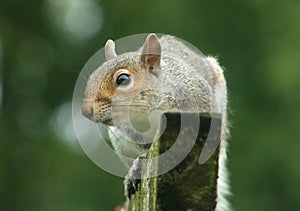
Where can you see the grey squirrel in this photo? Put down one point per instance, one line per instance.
(164, 75)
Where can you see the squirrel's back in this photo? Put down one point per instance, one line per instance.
(186, 53)
(198, 74)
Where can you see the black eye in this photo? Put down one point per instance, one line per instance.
(123, 80)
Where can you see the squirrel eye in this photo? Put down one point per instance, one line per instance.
(123, 80)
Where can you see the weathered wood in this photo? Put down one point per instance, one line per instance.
(188, 186)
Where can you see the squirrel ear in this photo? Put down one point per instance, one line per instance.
(110, 52)
(151, 52)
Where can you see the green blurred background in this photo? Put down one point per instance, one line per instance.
(44, 44)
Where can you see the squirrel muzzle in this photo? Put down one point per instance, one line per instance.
(87, 110)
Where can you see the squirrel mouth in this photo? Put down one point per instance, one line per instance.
(107, 121)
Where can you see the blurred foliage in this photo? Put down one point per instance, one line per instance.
(44, 45)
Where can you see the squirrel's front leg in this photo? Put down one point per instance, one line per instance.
(133, 178)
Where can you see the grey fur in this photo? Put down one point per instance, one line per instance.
(185, 81)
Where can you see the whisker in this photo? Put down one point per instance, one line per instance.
(80, 73)
(131, 105)
(127, 103)
(88, 69)
(80, 99)
(75, 71)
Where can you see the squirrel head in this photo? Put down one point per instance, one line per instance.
(123, 81)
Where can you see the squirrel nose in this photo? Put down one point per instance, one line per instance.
(87, 110)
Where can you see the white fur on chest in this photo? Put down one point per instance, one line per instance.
(127, 150)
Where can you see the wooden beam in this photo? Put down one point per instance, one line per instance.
(189, 185)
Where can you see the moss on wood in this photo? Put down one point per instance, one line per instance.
(188, 186)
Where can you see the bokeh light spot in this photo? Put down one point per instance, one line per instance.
(80, 19)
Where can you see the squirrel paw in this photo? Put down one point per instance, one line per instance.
(133, 178)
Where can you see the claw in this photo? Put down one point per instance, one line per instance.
(133, 179)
